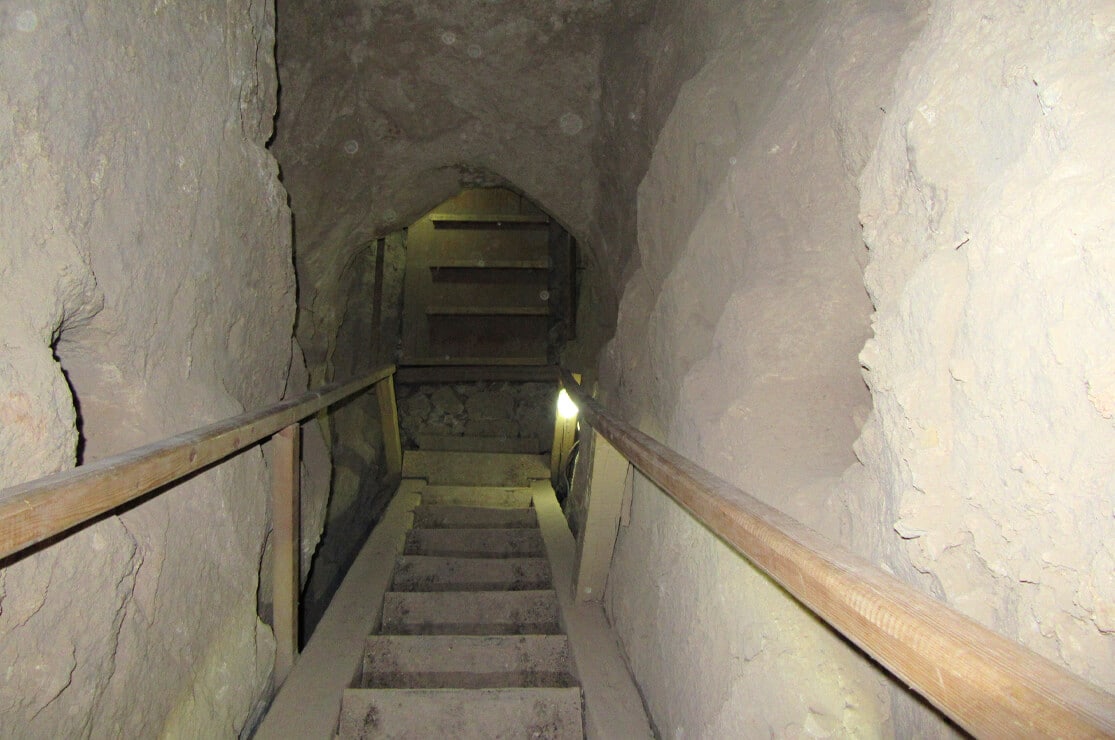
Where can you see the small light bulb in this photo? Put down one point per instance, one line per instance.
(566, 408)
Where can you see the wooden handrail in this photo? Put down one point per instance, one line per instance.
(991, 686)
(35, 511)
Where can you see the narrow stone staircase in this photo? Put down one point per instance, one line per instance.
(458, 619)
(470, 643)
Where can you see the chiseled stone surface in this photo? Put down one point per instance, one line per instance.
(971, 140)
(486, 409)
(737, 343)
(144, 244)
(389, 106)
(987, 210)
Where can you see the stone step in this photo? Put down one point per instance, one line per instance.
(467, 662)
(417, 714)
(475, 543)
(507, 497)
(473, 517)
(471, 613)
(428, 573)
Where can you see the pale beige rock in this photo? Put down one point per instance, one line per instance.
(388, 108)
(986, 207)
(144, 238)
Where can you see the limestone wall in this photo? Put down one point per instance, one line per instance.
(987, 209)
(970, 140)
(391, 107)
(513, 413)
(145, 259)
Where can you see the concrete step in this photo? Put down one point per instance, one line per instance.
(418, 714)
(471, 613)
(426, 573)
(467, 662)
(475, 543)
(502, 497)
(473, 517)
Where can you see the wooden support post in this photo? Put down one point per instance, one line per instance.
(286, 546)
(389, 418)
(565, 434)
(608, 473)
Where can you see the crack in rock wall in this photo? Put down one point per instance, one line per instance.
(146, 247)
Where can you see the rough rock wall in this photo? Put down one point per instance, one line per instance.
(737, 342)
(987, 210)
(144, 241)
(359, 489)
(495, 410)
(390, 106)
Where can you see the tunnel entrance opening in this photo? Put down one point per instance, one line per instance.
(489, 301)
(490, 280)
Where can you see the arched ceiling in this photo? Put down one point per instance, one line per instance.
(387, 107)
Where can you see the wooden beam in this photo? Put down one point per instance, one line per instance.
(606, 480)
(389, 419)
(286, 546)
(565, 434)
(34, 511)
(488, 220)
(991, 686)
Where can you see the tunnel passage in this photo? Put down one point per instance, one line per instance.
(474, 301)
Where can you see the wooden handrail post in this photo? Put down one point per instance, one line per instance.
(606, 479)
(286, 546)
(389, 418)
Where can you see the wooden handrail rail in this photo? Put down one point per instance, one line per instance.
(991, 686)
(34, 511)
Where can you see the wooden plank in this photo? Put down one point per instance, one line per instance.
(991, 686)
(439, 334)
(613, 708)
(473, 373)
(389, 419)
(308, 703)
(565, 433)
(34, 511)
(286, 548)
(495, 220)
(607, 478)
(487, 310)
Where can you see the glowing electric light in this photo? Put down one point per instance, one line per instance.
(566, 408)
